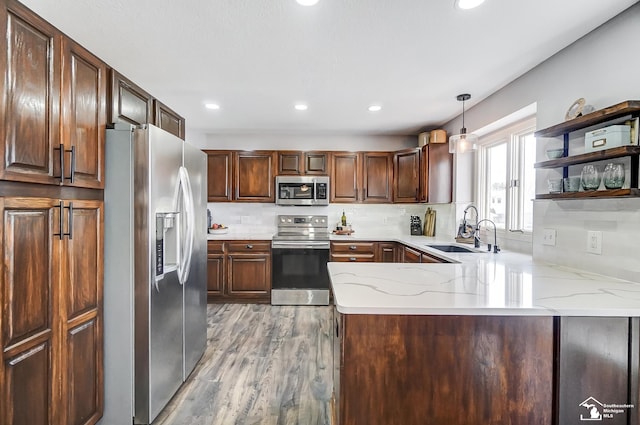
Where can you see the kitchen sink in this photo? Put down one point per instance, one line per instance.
(454, 248)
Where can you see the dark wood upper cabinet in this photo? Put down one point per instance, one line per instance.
(290, 163)
(345, 176)
(377, 172)
(254, 176)
(167, 119)
(219, 176)
(361, 177)
(30, 61)
(406, 168)
(129, 102)
(84, 117)
(316, 163)
(303, 163)
(436, 174)
(53, 104)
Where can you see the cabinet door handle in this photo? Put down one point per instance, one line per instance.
(416, 193)
(61, 151)
(62, 233)
(353, 247)
(61, 208)
(353, 259)
(70, 222)
(72, 168)
(249, 247)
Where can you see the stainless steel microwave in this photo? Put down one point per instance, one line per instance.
(302, 190)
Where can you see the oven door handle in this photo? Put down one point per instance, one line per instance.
(300, 245)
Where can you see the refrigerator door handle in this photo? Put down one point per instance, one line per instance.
(189, 214)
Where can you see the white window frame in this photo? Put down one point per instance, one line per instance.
(512, 135)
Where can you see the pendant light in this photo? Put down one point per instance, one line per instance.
(463, 142)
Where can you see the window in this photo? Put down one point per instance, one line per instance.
(506, 177)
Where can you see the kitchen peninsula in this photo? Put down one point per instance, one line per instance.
(490, 338)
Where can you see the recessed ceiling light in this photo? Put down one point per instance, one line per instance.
(307, 2)
(213, 106)
(375, 108)
(301, 107)
(468, 4)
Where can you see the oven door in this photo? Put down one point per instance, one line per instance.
(299, 275)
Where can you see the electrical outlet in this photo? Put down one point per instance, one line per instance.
(549, 237)
(594, 242)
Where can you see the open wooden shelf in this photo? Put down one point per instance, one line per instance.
(612, 112)
(623, 109)
(618, 152)
(611, 193)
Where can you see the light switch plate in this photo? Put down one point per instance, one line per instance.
(594, 242)
(549, 237)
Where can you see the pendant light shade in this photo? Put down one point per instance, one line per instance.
(463, 142)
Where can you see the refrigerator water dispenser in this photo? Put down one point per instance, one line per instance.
(166, 243)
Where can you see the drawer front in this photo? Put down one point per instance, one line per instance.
(353, 258)
(249, 246)
(215, 247)
(355, 247)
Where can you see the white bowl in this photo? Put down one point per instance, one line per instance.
(555, 153)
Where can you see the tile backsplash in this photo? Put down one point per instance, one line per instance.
(375, 219)
(617, 220)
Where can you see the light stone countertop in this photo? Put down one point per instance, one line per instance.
(507, 284)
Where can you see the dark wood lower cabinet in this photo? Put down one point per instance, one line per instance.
(51, 321)
(239, 271)
(443, 370)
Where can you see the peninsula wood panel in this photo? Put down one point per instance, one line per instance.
(594, 362)
(445, 370)
(84, 98)
(30, 61)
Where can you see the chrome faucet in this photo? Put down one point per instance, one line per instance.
(476, 234)
(496, 249)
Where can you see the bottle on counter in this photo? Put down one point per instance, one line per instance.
(344, 220)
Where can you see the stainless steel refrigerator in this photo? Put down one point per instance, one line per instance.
(155, 269)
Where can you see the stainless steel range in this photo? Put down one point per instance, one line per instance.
(300, 252)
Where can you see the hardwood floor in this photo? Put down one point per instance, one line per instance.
(263, 365)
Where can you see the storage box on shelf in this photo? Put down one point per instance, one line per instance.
(629, 108)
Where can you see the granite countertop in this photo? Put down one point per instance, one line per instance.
(507, 284)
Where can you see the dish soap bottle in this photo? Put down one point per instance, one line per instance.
(344, 220)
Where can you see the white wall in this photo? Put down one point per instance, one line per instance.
(604, 68)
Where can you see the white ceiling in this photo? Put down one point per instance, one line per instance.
(256, 58)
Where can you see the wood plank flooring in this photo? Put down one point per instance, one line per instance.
(263, 364)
